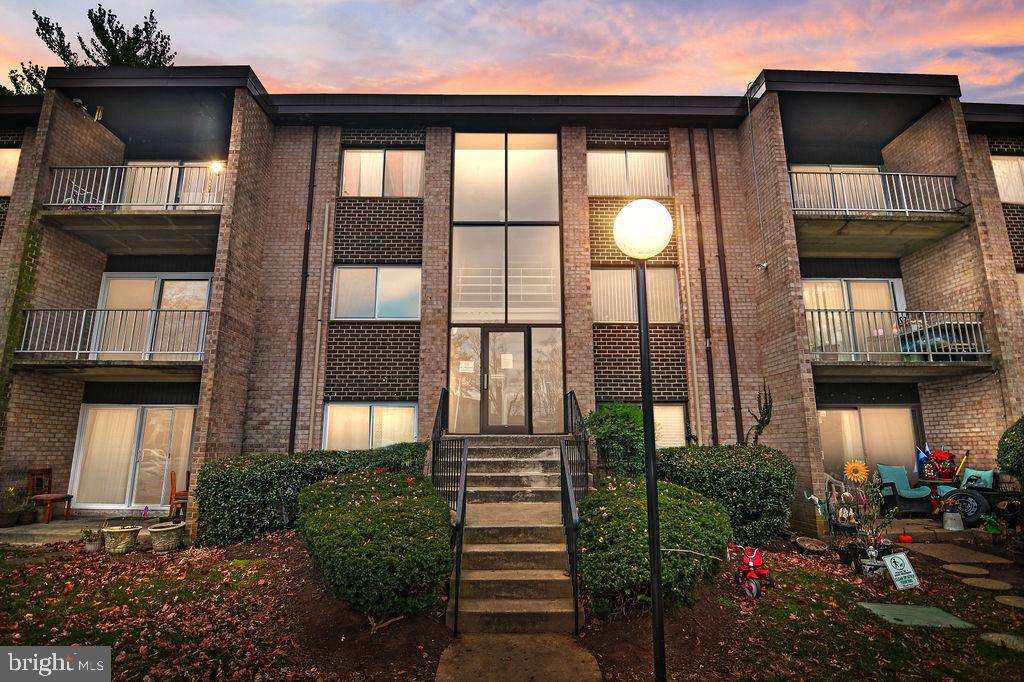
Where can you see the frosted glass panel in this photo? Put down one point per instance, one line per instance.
(348, 427)
(355, 292)
(181, 447)
(398, 293)
(363, 173)
(534, 274)
(662, 295)
(8, 168)
(546, 373)
(889, 436)
(840, 439)
(403, 173)
(393, 424)
(614, 300)
(648, 173)
(670, 425)
(479, 177)
(105, 460)
(152, 460)
(606, 173)
(464, 380)
(533, 178)
(478, 273)
(127, 326)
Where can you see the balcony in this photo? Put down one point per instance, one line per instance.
(885, 343)
(114, 343)
(161, 208)
(871, 214)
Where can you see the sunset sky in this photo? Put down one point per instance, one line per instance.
(544, 46)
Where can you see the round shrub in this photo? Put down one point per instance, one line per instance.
(618, 431)
(754, 483)
(1010, 453)
(241, 497)
(614, 561)
(382, 541)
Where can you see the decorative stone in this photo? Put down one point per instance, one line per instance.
(987, 584)
(1011, 642)
(920, 616)
(811, 545)
(965, 569)
(1013, 600)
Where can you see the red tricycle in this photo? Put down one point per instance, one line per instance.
(751, 571)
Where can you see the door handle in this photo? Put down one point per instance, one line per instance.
(485, 380)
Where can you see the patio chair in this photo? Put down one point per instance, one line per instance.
(898, 494)
(178, 498)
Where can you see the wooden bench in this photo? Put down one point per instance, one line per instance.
(39, 484)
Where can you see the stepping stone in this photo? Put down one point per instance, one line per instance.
(927, 616)
(1011, 642)
(955, 554)
(987, 584)
(1011, 600)
(965, 569)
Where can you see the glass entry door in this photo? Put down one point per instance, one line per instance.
(505, 396)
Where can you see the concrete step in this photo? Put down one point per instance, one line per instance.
(476, 479)
(513, 615)
(516, 439)
(514, 534)
(506, 557)
(505, 514)
(513, 584)
(507, 465)
(512, 452)
(492, 494)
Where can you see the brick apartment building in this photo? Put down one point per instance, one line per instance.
(194, 268)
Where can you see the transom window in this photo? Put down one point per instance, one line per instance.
(382, 172)
(358, 426)
(8, 168)
(376, 293)
(1009, 172)
(628, 172)
(614, 295)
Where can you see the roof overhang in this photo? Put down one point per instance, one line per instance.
(994, 119)
(20, 110)
(862, 82)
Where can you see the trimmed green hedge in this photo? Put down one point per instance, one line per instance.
(382, 541)
(241, 497)
(1010, 452)
(754, 483)
(618, 431)
(613, 550)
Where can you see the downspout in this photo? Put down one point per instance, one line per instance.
(709, 356)
(692, 340)
(313, 394)
(300, 335)
(730, 340)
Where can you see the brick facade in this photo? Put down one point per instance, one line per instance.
(617, 362)
(1013, 214)
(378, 230)
(373, 361)
(384, 137)
(604, 252)
(625, 138)
(11, 137)
(1005, 145)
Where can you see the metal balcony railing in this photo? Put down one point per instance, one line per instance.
(165, 186)
(902, 335)
(121, 334)
(848, 193)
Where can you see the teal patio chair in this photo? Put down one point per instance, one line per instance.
(898, 494)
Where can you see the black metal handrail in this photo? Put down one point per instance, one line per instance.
(571, 525)
(460, 529)
(578, 444)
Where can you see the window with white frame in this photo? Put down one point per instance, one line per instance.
(628, 172)
(1009, 172)
(358, 426)
(376, 292)
(614, 295)
(382, 173)
(670, 425)
(8, 168)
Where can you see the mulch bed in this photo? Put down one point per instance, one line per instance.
(325, 635)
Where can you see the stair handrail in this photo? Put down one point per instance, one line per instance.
(571, 526)
(579, 440)
(460, 529)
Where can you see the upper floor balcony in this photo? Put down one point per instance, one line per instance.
(130, 208)
(863, 343)
(868, 213)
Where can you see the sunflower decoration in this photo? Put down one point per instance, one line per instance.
(855, 471)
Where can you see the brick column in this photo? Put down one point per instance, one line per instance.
(579, 314)
(435, 273)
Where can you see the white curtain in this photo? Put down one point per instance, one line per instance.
(889, 436)
(648, 173)
(403, 173)
(612, 292)
(392, 424)
(841, 440)
(8, 169)
(362, 173)
(663, 295)
(606, 173)
(1009, 172)
(348, 427)
(107, 447)
(670, 425)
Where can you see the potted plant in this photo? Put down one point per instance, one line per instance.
(93, 540)
(120, 539)
(9, 511)
(951, 517)
(27, 511)
(166, 536)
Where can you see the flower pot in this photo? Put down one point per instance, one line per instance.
(847, 554)
(93, 546)
(120, 539)
(166, 536)
(952, 520)
(9, 518)
(27, 516)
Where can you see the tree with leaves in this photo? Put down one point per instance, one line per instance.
(112, 44)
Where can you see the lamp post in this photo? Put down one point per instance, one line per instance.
(643, 228)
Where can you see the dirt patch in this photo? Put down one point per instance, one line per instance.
(326, 637)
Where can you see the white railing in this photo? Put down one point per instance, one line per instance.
(851, 193)
(122, 334)
(156, 186)
(905, 335)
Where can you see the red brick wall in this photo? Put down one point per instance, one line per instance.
(384, 137)
(961, 414)
(1013, 214)
(1006, 145)
(617, 362)
(373, 361)
(11, 137)
(378, 230)
(603, 250)
(627, 138)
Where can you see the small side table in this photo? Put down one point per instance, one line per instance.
(48, 499)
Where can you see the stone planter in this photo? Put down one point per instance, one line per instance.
(120, 539)
(27, 516)
(9, 518)
(166, 536)
(93, 546)
(952, 520)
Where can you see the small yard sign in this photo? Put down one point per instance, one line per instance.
(902, 572)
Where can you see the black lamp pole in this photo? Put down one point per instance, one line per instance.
(653, 534)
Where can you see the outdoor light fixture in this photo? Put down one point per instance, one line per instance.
(216, 166)
(643, 228)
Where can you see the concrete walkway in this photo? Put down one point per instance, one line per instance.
(516, 658)
(57, 530)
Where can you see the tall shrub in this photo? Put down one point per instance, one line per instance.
(241, 497)
(618, 431)
(754, 484)
(1010, 453)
